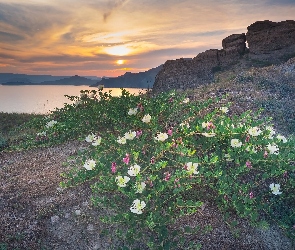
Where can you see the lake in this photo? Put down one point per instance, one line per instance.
(40, 99)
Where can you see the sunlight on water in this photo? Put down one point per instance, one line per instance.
(42, 99)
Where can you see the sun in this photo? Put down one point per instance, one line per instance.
(120, 50)
(120, 62)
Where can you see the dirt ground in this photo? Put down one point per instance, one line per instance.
(37, 214)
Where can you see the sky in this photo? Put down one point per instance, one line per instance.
(111, 37)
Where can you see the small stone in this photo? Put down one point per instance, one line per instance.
(54, 219)
(67, 215)
(90, 227)
(78, 212)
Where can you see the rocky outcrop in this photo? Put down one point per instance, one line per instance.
(268, 42)
(271, 41)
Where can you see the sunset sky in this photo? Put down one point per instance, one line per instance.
(110, 37)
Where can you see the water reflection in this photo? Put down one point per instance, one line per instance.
(40, 99)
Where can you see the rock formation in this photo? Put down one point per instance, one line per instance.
(268, 41)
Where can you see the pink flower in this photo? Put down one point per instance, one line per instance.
(139, 105)
(247, 138)
(138, 133)
(169, 132)
(167, 176)
(265, 154)
(113, 168)
(251, 195)
(171, 99)
(285, 174)
(126, 159)
(248, 164)
(153, 159)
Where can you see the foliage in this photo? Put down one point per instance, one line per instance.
(156, 159)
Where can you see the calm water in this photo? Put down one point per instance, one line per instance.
(41, 99)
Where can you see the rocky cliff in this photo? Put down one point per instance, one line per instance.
(269, 43)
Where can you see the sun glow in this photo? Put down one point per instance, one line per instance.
(120, 62)
(120, 50)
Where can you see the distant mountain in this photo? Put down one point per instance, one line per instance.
(23, 79)
(131, 80)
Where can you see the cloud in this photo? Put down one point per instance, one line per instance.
(9, 37)
(112, 6)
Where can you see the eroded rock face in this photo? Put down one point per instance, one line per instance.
(268, 41)
(189, 73)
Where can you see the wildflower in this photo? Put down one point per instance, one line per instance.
(247, 138)
(137, 206)
(167, 176)
(224, 110)
(282, 138)
(184, 124)
(42, 133)
(147, 118)
(273, 148)
(126, 159)
(122, 181)
(271, 132)
(96, 141)
(192, 168)
(254, 131)
(275, 188)
(170, 132)
(89, 164)
(208, 134)
(251, 195)
(186, 100)
(132, 111)
(121, 140)
(248, 164)
(208, 125)
(114, 167)
(265, 154)
(92, 95)
(138, 133)
(51, 123)
(134, 170)
(140, 187)
(130, 135)
(90, 138)
(161, 137)
(140, 106)
(235, 143)
(153, 159)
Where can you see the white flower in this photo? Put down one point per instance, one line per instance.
(122, 181)
(43, 133)
(271, 132)
(161, 137)
(90, 138)
(254, 131)
(224, 110)
(282, 138)
(205, 124)
(92, 95)
(134, 170)
(51, 123)
(273, 148)
(147, 118)
(275, 188)
(186, 100)
(140, 187)
(192, 168)
(235, 143)
(96, 141)
(132, 111)
(130, 135)
(100, 87)
(121, 140)
(89, 164)
(137, 206)
(208, 134)
(184, 124)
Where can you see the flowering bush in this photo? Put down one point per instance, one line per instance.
(158, 159)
